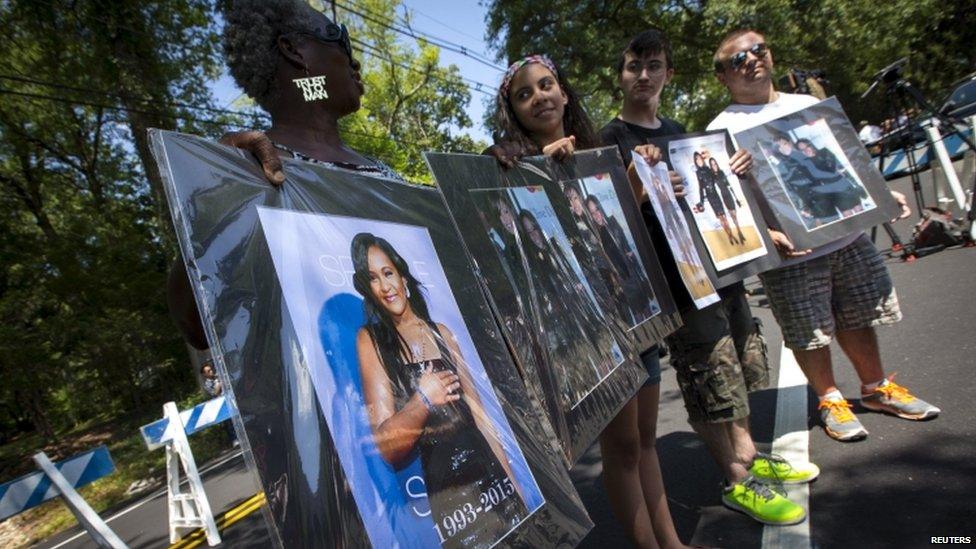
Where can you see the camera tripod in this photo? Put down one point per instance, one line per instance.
(901, 98)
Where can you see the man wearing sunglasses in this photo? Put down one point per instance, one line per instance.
(840, 290)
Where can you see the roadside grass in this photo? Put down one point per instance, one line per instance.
(133, 462)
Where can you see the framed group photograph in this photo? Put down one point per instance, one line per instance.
(562, 304)
(603, 227)
(816, 176)
(727, 226)
(380, 404)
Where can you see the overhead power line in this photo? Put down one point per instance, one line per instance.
(437, 41)
(123, 96)
(439, 22)
(473, 85)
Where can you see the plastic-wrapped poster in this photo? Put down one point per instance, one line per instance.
(379, 401)
(537, 256)
(592, 194)
(609, 242)
(816, 176)
(658, 186)
(722, 217)
(576, 350)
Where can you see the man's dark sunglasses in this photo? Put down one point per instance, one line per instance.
(332, 33)
(739, 58)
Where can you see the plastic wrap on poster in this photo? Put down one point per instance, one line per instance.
(728, 227)
(564, 313)
(815, 175)
(594, 186)
(379, 401)
(678, 234)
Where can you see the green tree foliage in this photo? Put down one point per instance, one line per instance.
(850, 40)
(85, 240)
(412, 104)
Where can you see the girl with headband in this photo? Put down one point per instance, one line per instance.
(539, 113)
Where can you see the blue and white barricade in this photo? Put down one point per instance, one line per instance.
(201, 416)
(61, 479)
(896, 162)
(189, 509)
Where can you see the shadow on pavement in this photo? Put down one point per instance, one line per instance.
(901, 498)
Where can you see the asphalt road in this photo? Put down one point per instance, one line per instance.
(908, 482)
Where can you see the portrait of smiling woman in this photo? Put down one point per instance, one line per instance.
(421, 399)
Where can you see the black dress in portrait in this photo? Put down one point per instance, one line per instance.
(707, 190)
(721, 181)
(459, 465)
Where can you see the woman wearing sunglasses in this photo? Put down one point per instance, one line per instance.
(298, 66)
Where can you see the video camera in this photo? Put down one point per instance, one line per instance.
(889, 76)
(809, 82)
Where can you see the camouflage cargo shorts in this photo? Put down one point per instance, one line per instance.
(719, 356)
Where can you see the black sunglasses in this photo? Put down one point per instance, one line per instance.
(332, 33)
(739, 58)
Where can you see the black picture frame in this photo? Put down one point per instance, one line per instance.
(215, 193)
(460, 175)
(728, 276)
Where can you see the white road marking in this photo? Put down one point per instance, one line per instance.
(791, 440)
(151, 497)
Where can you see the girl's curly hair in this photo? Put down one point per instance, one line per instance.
(251, 31)
(575, 121)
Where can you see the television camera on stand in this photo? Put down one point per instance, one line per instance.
(902, 101)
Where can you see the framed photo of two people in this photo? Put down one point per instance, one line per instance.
(568, 267)
(816, 176)
(723, 212)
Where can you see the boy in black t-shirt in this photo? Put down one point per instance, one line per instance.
(718, 355)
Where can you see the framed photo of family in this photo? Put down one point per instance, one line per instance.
(816, 177)
(380, 404)
(726, 224)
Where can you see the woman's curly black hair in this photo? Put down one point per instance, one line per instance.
(575, 121)
(251, 32)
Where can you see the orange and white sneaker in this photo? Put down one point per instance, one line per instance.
(894, 399)
(839, 421)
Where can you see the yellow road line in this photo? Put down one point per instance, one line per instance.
(245, 508)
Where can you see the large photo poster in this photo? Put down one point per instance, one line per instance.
(379, 403)
(816, 176)
(610, 247)
(567, 324)
(410, 408)
(657, 183)
(596, 205)
(722, 216)
(538, 259)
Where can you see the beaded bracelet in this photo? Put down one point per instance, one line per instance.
(426, 401)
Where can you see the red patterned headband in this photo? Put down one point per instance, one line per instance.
(542, 59)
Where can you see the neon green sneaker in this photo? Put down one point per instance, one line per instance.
(772, 468)
(761, 503)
